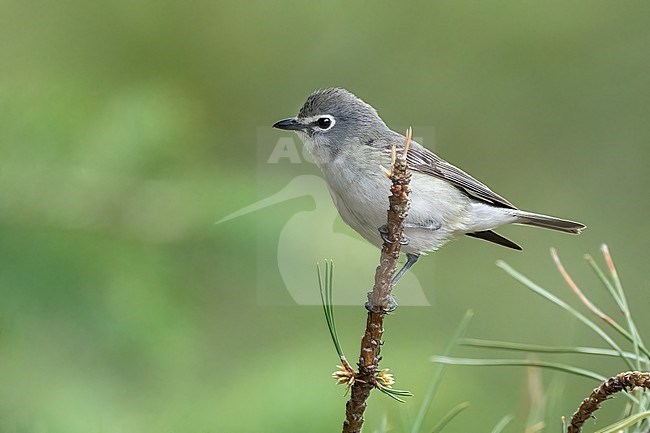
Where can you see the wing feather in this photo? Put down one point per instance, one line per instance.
(424, 161)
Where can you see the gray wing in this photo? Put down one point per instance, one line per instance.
(421, 159)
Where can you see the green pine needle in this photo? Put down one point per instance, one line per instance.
(502, 424)
(559, 302)
(634, 338)
(395, 393)
(450, 416)
(625, 423)
(437, 377)
(326, 288)
(519, 362)
(538, 348)
(601, 276)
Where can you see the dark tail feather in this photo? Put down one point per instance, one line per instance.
(490, 236)
(549, 222)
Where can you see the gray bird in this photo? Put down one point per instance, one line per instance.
(349, 142)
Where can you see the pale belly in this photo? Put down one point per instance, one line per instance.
(438, 210)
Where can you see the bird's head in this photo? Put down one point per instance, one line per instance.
(332, 119)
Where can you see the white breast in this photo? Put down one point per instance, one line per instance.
(360, 192)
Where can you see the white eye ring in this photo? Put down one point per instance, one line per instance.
(325, 122)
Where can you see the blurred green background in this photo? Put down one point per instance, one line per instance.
(128, 128)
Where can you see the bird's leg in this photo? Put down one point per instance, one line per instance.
(383, 232)
(410, 261)
(392, 304)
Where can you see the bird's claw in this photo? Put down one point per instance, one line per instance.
(390, 307)
(383, 232)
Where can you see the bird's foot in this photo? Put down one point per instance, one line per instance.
(383, 232)
(392, 305)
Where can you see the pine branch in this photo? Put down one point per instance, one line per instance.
(379, 298)
(621, 382)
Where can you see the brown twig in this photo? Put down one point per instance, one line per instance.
(379, 298)
(621, 382)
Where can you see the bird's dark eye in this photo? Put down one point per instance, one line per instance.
(324, 122)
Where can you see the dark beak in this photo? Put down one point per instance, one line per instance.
(289, 124)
